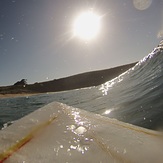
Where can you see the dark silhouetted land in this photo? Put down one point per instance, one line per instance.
(83, 80)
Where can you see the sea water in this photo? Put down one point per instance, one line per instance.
(135, 96)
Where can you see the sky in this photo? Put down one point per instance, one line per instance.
(37, 40)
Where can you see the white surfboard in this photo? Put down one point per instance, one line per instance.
(58, 133)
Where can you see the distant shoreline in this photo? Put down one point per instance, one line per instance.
(78, 81)
(17, 95)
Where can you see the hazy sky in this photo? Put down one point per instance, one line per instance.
(37, 43)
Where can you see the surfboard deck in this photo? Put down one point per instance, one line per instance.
(63, 134)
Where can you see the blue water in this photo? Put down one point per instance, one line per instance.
(135, 96)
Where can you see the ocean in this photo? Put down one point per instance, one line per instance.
(135, 97)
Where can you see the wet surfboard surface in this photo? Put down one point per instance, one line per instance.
(60, 133)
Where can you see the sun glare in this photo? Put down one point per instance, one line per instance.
(87, 25)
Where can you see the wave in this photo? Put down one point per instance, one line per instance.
(138, 92)
(134, 97)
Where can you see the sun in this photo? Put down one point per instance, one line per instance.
(87, 25)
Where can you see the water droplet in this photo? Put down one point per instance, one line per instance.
(80, 130)
(73, 147)
(68, 150)
(71, 127)
(61, 146)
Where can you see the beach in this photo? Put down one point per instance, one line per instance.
(17, 95)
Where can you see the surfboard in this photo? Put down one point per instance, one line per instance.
(57, 133)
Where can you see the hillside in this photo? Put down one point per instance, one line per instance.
(87, 79)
